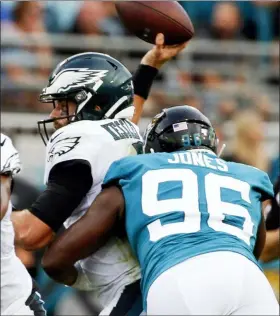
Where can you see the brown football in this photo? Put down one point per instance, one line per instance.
(146, 19)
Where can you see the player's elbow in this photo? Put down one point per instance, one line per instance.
(51, 265)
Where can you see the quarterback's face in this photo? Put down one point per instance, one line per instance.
(62, 108)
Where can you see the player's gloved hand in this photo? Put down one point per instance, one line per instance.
(161, 53)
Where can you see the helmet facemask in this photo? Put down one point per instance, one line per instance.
(89, 106)
(79, 98)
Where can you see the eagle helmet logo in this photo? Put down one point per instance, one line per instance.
(72, 78)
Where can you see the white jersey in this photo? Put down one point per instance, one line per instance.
(16, 283)
(100, 143)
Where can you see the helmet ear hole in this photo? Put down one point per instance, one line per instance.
(80, 97)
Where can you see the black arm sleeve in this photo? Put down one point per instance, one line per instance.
(69, 182)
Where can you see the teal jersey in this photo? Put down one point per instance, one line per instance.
(180, 205)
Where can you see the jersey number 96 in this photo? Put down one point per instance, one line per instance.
(189, 203)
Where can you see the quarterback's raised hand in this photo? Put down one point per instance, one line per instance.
(148, 69)
(161, 53)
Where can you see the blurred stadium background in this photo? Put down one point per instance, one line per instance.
(230, 71)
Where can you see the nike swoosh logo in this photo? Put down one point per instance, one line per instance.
(3, 142)
(52, 139)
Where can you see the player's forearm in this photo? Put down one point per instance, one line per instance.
(84, 237)
(271, 248)
(142, 80)
(30, 232)
(21, 227)
(59, 259)
(138, 105)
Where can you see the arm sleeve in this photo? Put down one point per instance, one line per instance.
(68, 184)
(113, 175)
(266, 187)
(121, 171)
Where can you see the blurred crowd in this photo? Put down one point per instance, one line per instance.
(235, 97)
(253, 20)
(216, 93)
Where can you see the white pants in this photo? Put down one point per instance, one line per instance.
(19, 308)
(16, 286)
(217, 283)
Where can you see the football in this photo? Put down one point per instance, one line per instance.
(146, 19)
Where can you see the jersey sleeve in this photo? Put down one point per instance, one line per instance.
(266, 187)
(10, 162)
(70, 144)
(114, 175)
(120, 170)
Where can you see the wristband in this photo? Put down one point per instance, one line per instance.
(143, 79)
